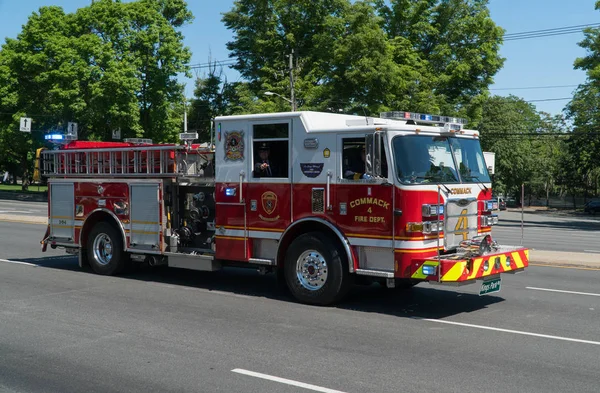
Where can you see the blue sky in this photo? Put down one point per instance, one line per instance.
(534, 62)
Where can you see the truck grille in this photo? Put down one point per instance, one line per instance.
(460, 221)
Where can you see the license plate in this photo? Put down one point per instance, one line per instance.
(490, 286)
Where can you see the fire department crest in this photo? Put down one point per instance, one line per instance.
(234, 146)
(269, 204)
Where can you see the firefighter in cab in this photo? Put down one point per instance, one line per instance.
(263, 166)
(356, 168)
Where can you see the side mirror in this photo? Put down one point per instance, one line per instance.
(374, 153)
(369, 154)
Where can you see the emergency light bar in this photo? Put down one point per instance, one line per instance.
(422, 117)
(60, 137)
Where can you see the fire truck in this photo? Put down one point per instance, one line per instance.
(323, 200)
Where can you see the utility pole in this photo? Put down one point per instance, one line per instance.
(292, 95)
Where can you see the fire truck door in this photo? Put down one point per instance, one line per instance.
(145, 216)
(62, 201)
(230, 221)
(365, 208)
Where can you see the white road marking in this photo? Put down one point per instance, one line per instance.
(17, 262)
(561, 291)
(285, 381)
(591, 250)
(15, 211)
(576, 340)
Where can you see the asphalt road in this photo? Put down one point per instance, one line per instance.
(160, 330)
(19, 208)
(549, 231)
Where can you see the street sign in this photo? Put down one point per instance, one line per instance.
(72, 129)
(116, 134)
(25, 124)
(490, 286)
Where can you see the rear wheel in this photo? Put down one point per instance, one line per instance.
(316, 269)
(105, 250)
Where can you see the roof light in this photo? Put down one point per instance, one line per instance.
(422, 117)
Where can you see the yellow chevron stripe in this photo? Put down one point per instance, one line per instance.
(455, 272)
(517, 258)
(476, 266)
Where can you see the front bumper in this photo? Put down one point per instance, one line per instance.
(462, 269)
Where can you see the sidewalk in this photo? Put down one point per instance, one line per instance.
(561, 258)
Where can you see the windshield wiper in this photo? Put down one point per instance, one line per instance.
(475, 178)
(433, 178)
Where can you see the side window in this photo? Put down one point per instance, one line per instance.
(271, 150)
(353, 158)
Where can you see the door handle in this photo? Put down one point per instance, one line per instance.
(397, 212)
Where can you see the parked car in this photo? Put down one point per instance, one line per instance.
(592, 207)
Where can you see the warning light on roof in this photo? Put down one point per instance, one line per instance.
(54, 137)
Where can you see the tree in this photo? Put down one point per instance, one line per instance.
(109, 65)
(424, 55)
(456, 45)
(507, 130)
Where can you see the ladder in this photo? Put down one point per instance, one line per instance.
(134, 161)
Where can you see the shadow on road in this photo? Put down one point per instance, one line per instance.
(421, 301)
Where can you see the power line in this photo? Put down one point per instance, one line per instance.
(548, 32)
(552, 30)
(533, 87)
(551, 99)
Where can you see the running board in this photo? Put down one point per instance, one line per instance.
(375, 273)
(205, 263)
(262, 261)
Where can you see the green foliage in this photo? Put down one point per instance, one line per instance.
(425, 55)
(504, 130)
(109, 65)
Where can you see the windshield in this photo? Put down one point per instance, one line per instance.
(431, 159)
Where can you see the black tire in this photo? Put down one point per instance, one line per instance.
(322, 248)
(98, 259)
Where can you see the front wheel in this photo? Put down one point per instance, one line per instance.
(316, 269)
(105, 250)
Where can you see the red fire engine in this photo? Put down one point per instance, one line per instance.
(322, 199)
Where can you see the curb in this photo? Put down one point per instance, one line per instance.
(24, 196)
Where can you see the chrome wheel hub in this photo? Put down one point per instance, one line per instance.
(311, 270)
(103, 249)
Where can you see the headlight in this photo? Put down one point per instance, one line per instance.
(488, 221)
(432, 210)
(426, 227)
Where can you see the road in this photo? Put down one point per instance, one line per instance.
(24, 209)
(158, 330)
(553, 231)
